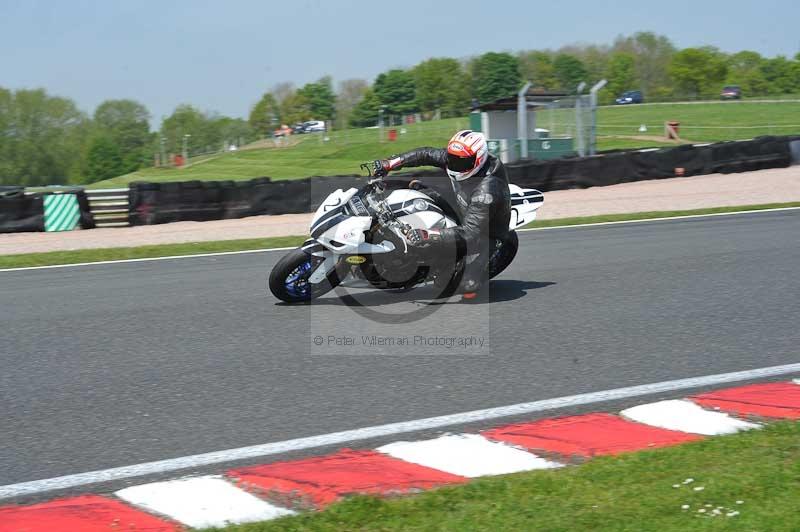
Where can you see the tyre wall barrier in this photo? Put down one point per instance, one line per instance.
(87, 220)
(794, 147)
(153, 203)
(22, 211)
(611, 168)
(156, 203)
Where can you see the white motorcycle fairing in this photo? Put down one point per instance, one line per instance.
(336, 228)
(524, 204)
(343, 233)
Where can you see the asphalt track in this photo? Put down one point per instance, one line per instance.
(105, 366)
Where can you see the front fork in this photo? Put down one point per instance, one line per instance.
(324, 268)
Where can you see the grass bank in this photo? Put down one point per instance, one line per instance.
(311, 155)
(618, 128)
(749, 481)
(195, 248)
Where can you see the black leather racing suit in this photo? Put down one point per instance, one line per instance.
(484, 205)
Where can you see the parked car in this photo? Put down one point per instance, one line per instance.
(630, 97)
(314, 125)
(298, 129)
(731, 92)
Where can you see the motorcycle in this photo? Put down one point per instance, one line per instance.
(361, 233)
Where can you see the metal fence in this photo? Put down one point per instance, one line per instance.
(570, 117)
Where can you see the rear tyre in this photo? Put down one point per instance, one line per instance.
(289, 279)
(503, 254)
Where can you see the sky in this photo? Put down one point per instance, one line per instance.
(223, 55)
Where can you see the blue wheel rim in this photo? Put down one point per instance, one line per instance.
(296, 282)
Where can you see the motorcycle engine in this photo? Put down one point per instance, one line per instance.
(396, 269)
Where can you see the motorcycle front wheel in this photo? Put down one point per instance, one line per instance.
(289, 279)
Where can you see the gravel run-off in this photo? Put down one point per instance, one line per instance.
(716, 190)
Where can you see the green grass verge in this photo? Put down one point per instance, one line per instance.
(167, 250)
(618, 128)
(144, 252)
(623, 143)
(706, 122)
(631, 492)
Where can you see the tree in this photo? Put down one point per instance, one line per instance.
(396, 90)
(265, 115)
(321, 99)
(441, 84)
(537, 67)
(234, 131)
(282, 90)
(351, 92)
(42, 138)
(652, 55)
(698, 72)
(187, 120)
(365, 113)
(207, 132)
(104, 159)
(782, 75)
(745, 70)
(495, 76)
(569, 71)
(296, 108)
(621, 74)
(594, 59)
(127, 124)
(7, 169)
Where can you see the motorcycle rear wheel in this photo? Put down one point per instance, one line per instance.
(289, 282)
(504, 255)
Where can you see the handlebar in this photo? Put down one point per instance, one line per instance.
(368, 167)
(384, 214)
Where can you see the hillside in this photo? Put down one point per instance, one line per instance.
(618, 128)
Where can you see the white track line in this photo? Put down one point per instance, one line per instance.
(337, 438)
(201, 502)
(467, 455)
(148, 259)
(666, 218)
(223, 253)
(685, 416)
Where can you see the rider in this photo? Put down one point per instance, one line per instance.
(483, 200)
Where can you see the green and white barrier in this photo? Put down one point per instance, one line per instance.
(61, 212)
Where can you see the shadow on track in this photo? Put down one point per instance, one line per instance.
(499, 291)
(510, 289)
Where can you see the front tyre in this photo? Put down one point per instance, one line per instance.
(289, 280)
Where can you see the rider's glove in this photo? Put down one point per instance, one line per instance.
(380, 167)
(421, 238)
